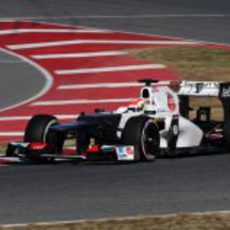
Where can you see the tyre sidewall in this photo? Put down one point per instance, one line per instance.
(37, 128)
(144, 154)
(227, 134)
(134, 134)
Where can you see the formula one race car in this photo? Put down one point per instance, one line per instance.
(156, 123)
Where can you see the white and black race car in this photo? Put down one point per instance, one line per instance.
(156, 123)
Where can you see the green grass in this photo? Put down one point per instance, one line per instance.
(192, 63)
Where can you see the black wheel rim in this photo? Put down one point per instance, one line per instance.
(150, 141)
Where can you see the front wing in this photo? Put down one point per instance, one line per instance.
(37, 150)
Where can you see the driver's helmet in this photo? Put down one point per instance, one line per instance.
(137, 105)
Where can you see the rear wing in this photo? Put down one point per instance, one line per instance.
(216, 89)
(205, 89)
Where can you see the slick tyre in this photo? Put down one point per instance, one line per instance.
(143, 134)
(227, 134)
(37, 130)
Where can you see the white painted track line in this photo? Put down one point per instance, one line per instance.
(107, 85)
(23, 31)
(57, 224)
(81, 101)
(79, 55)
(100, 85)
(96, 41)
(24, 118)
(109, 69)
(11, 134)
(69, 116)
(15, 118)
(44, 73)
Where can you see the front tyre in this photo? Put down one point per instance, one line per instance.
(143, 134)
(37, 130)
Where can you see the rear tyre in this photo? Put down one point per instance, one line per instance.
(37, 130)
(143, 134)
(227, 134)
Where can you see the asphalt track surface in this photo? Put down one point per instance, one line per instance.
(71, 191)
(20, 77)
(202, 20)
(68, 191)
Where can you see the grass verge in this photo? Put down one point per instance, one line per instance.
(192, 63)
(172, 222)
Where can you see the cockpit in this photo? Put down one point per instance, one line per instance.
(158, 100)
